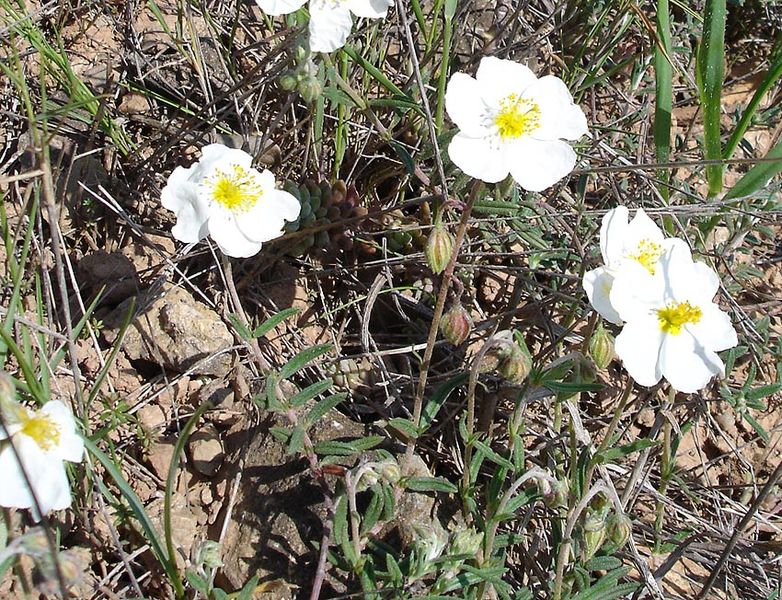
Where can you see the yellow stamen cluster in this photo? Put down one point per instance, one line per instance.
(41, 428)
(648, 254)
(676, 315)
(517, 117)
(237, 190)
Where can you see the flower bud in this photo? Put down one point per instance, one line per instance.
(456, 324)
(439, 248)
(556, 496)
(288, 81)
(516, 366)
(209, 555)
(594, 533)
(601, 347)
(619, 529)
(309, 89)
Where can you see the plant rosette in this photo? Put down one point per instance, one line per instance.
(331, 21)
(512, 122)
(673, 329)
(42, 440)
(224, 197)
(639, 242)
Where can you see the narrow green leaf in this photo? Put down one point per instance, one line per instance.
(572, 388)
(759, 175)
(438, 399)
(321, 408)
(612, 454)
(273, 321)
(240, 327)
(774, 73)
(492, 455)
(430, 484)
(310, 392)
(296, 440)
(404, 426)
(302, 359)
(197, 582)
(710, 76)
(763, 391)
(663, 96)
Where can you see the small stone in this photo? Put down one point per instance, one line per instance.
(160, 455)
(206, 450)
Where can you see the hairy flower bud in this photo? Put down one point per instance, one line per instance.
(456, 324)
(619, 529)
(601, 347)
(439, 248)
(309, 89)
(595, 527)
(288, 81)
(556, 495)
(517, 364)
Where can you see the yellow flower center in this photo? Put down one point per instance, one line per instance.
(676, 315)
(237, 190)
(517, 117)
(648, 254)
(41, 428)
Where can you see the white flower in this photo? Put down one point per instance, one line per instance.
(672, 327)
(330, 20)
(637, 245)
(224, 197)
(512, 122)
(43, 440)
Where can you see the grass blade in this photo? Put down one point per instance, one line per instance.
(759, 175)
(663, 92)
(774, 73)
(710, 75)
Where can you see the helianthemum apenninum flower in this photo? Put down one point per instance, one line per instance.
(330, 20)
(224, 197)
(42, 440)
(673, 329)
(512, 122)
(636, 245)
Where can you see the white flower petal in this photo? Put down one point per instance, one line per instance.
(45, 472)
(191, 222)
(329, 27)
(613, 231)
(227, 235)
(687, 367)
(597, 284)
(560, 118)
(642, 228)
(267, 218)
(709, 282)
(178, 189)
(280, 7)
(500, 78)
(70, 446)
(478, 158)
(638, 345)
(636, 294)
(465, 106)
(537, 165)
(715, 330)
(370, 9)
